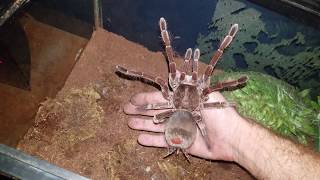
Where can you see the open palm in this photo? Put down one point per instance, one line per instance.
(221, 123)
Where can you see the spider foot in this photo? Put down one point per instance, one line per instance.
(186, 155)
(171, 150)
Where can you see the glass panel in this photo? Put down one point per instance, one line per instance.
(39, 45)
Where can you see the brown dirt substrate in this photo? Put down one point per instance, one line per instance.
(53, 53)
(86, 132)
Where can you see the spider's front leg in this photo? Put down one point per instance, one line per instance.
(167, 43)
(216, 56)
(195, 65)
(186, 64)
(158, 80)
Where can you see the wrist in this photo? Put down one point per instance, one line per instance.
(242, 138)
(249, 147)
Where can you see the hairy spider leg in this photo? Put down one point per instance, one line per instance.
(171, 150)
(161, 117)
(185, 153)
(225, 84)
(186, 64)
(157, 106)
(158, 80)
(216, 56)
(218, 105)
(203, 129)
(195, 65)
(167, 42)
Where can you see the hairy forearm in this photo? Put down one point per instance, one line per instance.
(268, 156)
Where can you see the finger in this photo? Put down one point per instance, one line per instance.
(152, 140)
(145, 125)
(147, 98)
(135, 110)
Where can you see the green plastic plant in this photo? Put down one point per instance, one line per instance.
(275, 104)
(316, 106)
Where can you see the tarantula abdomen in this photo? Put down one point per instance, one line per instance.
(180, 131)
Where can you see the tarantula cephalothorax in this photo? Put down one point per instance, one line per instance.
(189, 93)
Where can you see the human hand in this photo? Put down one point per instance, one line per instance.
(223, 126)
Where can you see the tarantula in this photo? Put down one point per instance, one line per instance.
(189, 93)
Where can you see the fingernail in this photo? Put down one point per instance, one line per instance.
(133, 99)
(127, 108)
(141, 139)
(131, 123)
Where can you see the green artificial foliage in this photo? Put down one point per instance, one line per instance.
(275, 104)
(316, 106)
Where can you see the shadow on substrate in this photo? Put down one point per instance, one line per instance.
(15, 60)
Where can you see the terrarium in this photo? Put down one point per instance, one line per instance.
(68, 68)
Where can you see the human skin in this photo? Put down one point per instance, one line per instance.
(232, 138)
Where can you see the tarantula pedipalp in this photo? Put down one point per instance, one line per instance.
(189, 93)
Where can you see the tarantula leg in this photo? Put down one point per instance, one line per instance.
(219, 104)
(216, 56)
(185, 153)
(196, 56)
(167, 42)
(171, 150)
(161, 117)
(225, 84)
(203, 129)
(186, 64)
(166, 105)
(158, 80)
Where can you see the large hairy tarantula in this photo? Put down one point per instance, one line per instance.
(189, 93)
